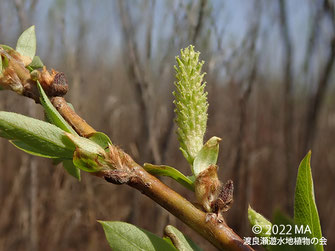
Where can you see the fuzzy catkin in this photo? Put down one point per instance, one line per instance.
(190, 102)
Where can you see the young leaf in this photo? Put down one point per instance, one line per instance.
(36, 63)
(0, 66)
(26, 44)
(179, 240)
(71, 169)
(305, 210)
(124, 236)
(208, 155)
(44, 138)
(191, 103)
(170, 172)
(86, 145)
(5, 62)
(256, 219)
(88, 156)
(101, 139)
(6, 47)
(52, 114)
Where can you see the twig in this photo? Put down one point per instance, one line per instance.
(80, 125)
(132, 174)
(127, 171)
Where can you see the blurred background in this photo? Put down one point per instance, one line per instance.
(270, 83)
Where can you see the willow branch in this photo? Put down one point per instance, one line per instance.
(126, 170)
(130, 173)
(79, 124)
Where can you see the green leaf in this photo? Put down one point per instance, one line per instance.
(36, 63)
(86, 145)
(168, 240)
(305, 210)
(6, 47)
(256, 219)
(101, 139)
(52, 114)
(179, 240)
(88, 156)
(170, 172)
(87, 163)
(71, 169)
(208, 155)
(26, 44)
(123, 236)
(5, 62)
(0, 66)
(43, 138)
(30, 149)
(57, 161)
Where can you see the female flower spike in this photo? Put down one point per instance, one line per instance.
(191, 103)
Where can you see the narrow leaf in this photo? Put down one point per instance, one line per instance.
(71, 169)
(43, 138)
(179, 240)
(124, 236)
(208, 155)
(305, 210)
(52, 114)
(171, 172)
(26, 44)
(30, 149)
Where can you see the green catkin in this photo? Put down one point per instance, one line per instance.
(190, 102)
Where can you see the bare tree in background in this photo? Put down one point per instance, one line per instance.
(137, 72)
(240, 167)
(316, 98)
(288, 104)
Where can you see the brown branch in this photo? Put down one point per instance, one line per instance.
(132, 174)
(126, 171)
(80, 125)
